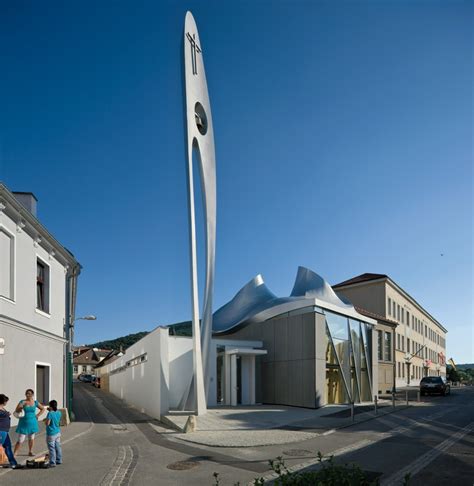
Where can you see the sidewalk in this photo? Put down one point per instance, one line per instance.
(265, 425)
(71, 432)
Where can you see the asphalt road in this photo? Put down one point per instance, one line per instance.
(117, 445)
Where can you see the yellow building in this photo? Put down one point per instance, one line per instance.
(385, 330)
(420, 340)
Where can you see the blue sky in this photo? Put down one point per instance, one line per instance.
(343, 142)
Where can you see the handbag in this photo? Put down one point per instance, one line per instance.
(21, 413)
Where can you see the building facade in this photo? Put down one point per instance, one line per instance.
(86, 362)
(309, 349)
(385, 353)
(36, 274)
(420, 340)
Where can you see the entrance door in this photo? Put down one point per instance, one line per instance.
(42, 383)
(220, 379)
(239, 380)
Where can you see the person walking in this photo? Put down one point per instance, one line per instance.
(5, 441)
(53, 434)
(28, 423)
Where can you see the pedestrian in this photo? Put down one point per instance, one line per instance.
(53, 434)
(28, 423)
(5, 441)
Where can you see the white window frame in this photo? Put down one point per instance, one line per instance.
(39, 311)
(12, 298)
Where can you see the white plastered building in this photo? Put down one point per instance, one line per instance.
(37, 292)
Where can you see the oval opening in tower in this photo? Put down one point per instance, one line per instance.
(201, 118)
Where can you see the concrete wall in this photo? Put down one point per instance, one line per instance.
(293, 371)
(24, 349)
(145, 385)
(180, 352)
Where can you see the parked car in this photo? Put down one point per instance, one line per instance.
(434, 384)
(86, 378)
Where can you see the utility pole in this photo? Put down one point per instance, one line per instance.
(408, 358)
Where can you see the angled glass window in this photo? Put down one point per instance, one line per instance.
(337, 360)
(348, 359)
(335, 387)
(355, 333)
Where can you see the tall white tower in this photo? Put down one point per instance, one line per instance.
(200, 138)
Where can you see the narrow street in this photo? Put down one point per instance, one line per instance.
(117, 445)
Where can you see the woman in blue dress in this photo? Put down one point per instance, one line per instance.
(28, 424)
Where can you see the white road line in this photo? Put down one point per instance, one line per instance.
(399, 430)
(423, 461)
(312, 462)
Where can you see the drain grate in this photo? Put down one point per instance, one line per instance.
(298, 452)
(182, 465)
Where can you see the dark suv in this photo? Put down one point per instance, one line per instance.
(434, 384)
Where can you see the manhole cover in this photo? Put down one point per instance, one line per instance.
(298, 452)
(182, 465)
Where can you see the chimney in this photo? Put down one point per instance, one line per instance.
(28, 200)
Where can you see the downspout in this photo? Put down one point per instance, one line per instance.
(71, 295)
(394, 357)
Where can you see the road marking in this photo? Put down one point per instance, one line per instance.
(399, 430)
(328, 432)
(423, 461)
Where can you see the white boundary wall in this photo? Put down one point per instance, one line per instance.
(180, 350)
(144, 385)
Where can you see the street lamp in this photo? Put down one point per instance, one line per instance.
(69, 354)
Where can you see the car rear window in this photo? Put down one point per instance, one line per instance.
(431, 379)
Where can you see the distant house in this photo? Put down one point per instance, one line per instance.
(101, 370)
(77, 350)
(38, 283)
(88, 360)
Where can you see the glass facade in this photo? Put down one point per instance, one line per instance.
(348, 363)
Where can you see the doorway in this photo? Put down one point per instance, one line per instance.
(235, 375)
(239, 380)
(42, 383)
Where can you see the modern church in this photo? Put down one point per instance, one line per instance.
(307, 350)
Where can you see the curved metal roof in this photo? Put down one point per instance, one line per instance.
(255, 302)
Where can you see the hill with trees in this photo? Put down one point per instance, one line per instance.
(123, 342)
(465, 366)
(464, 373)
